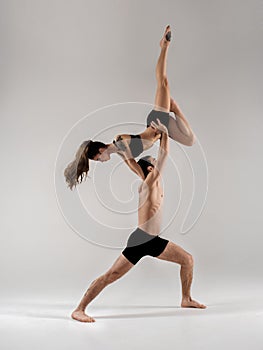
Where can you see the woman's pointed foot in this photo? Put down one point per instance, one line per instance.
(165, 41)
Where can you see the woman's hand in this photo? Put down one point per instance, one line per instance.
(159, 128)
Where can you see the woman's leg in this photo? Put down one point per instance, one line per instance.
(179, 128)
(162, 97)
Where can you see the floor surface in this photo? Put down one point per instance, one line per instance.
(228, 322)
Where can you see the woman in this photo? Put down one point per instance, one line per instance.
(130, 146)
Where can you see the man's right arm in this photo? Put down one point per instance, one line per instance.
(163, 152)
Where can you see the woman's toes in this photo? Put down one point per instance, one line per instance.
(166, 37)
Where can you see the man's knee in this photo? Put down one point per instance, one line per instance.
(111, 276)
(189, 260)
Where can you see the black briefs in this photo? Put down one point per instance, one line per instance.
(141, 243)
(163, 116)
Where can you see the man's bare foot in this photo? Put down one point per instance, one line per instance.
(189, 302)
(81, 316)
(164, 42)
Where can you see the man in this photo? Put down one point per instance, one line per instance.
(145, 240)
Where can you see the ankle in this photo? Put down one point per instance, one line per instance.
(165, 47)
(79, 309)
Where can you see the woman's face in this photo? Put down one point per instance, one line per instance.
(102, 156)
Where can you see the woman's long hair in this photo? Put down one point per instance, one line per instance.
(77, 170)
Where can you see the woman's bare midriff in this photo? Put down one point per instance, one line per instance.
(148, 137)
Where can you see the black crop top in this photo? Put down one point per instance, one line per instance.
(135, 145)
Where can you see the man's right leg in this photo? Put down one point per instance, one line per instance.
(119, 268)
(176, 254)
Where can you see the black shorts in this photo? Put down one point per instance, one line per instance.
(163, 116)
(141, 243)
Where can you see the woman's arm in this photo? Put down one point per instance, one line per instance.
(132, 164)
(125, 153)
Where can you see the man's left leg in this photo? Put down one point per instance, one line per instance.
(174, 253)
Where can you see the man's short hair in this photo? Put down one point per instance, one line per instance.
(144, 163)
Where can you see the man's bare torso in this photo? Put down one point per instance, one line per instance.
(150, 207)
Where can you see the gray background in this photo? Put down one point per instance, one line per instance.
(60, 60)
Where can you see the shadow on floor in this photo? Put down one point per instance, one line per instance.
(227, 307)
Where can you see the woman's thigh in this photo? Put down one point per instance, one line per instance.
(162, 97)
(175, 133)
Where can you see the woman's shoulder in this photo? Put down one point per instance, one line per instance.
(121, 141)
(121, 137)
